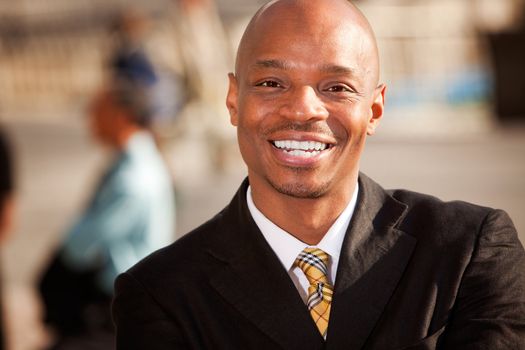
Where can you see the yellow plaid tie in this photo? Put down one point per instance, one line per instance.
(314, 263)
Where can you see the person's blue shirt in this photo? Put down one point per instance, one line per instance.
(131, 214)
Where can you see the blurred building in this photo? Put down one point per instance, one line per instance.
(436, 60)
(52, 53)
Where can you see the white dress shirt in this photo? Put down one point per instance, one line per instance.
(287, 247)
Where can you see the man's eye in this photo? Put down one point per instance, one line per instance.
(269, 83)
(338, 88)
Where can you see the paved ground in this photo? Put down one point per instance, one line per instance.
(57, 165)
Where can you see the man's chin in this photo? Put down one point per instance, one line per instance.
(301, 190)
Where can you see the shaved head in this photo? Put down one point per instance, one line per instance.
(304, 96)
(317, 19)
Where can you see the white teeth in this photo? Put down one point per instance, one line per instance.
(304, 154)
(301, 145)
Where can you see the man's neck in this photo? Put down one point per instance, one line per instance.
(306, 219)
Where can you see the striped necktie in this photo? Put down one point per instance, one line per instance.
(314, 263)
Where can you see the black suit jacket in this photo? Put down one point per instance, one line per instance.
(414, 273)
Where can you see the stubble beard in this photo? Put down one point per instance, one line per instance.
(300, 189)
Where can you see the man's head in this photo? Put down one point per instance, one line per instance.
(119, 111)
(304, 95)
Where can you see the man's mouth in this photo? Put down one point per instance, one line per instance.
(304, 149)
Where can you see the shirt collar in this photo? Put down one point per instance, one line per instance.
(287, 247)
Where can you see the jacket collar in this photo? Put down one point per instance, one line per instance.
(373, 258)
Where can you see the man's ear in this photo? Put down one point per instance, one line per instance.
(378, 108)
(232, 98)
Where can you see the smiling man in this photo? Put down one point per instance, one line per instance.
(310, 253)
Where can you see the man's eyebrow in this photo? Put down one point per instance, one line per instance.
(276, 64)
(337, 69)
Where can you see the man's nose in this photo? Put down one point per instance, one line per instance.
(303, 104)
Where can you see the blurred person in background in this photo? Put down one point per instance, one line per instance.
(6, 209)
(130, 215)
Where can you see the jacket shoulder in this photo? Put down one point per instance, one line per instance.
(445, 221)
(433, 205)
(180, 258)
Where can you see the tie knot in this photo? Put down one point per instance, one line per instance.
(314, 263)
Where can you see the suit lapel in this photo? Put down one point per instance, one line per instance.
(373, 258)
(254, 282)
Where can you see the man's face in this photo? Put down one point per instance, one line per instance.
(303, 101)
(103, 120)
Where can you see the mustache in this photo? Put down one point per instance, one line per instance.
(317, 128)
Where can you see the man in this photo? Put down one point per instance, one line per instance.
(130, 215)
(311, 254)
(7, 187)
(7, 206)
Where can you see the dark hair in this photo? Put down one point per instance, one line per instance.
(135, 98)
(6, 171)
